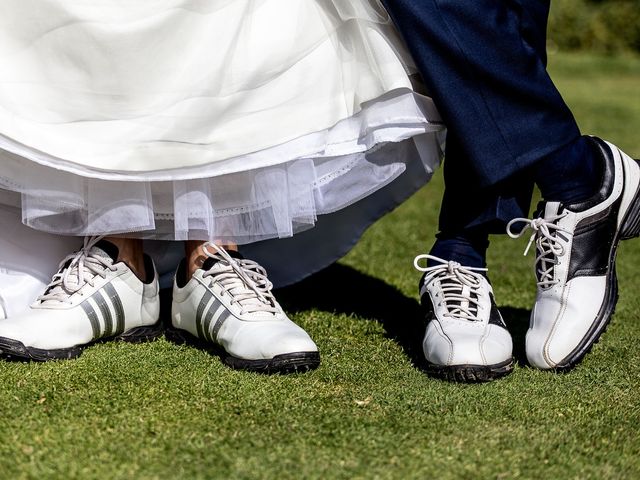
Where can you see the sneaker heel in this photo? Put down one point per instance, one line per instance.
(631, 224)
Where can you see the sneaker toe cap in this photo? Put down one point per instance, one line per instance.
(268, 340)
(560, 323)
(45, 330)
(290, 343)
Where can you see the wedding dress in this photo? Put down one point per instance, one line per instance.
(248, 121)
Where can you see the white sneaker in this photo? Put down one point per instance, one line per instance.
(228, 302)
(91, 298)
(466, 339)
(575, 265)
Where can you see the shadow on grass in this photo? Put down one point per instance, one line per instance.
(517, 320)
(342, 289)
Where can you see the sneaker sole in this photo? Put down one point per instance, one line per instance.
(294, 362)
(297, 362)
(15, 350)
(470, 373)
(629, 228)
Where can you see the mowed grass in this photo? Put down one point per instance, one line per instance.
(164, 411)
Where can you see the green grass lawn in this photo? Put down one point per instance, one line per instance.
(164, 411)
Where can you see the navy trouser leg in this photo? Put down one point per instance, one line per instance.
(491, 207)
(490, 82)
(468, 207)
(482, 61)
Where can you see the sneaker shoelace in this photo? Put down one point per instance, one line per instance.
(77, 270)
(244, 280)
(546, 234)
(460, 286)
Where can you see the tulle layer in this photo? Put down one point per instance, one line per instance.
(230, 120)
(321, 173)
(28, 258)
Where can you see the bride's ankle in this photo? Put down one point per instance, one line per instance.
(131, 252)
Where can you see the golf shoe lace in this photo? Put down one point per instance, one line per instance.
(545, 234)
(460, 286)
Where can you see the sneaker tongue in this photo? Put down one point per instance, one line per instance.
(465, 292)
(236, 286)
(95, 251)
(106, 249)
(546, 257)
(210, 262)
(99, 252)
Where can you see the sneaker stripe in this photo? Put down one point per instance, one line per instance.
(224, 316)
(206, 324)
(203, 303)
(93, 318)
(117, 305)
(98, 297)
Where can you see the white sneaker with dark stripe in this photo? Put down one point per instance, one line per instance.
(91, 298)
(229, 303)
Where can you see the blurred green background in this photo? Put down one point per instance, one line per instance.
(603, 26)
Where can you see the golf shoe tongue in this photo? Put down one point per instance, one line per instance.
(551, 209)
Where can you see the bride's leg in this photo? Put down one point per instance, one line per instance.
(131, 252)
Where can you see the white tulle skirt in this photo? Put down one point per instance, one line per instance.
(233, 120)
(236, 120)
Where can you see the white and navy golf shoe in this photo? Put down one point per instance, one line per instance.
(466, 339)
(575, 270)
